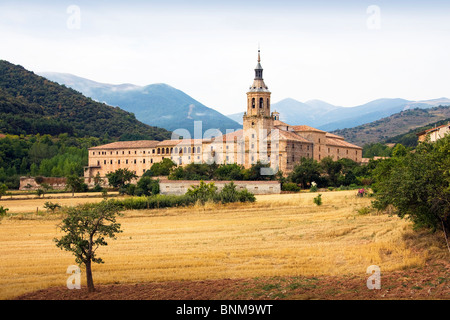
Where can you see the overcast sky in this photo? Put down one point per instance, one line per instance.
(344, 52)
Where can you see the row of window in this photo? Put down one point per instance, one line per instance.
(159, 151)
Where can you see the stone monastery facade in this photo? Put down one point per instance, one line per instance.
(263, 138)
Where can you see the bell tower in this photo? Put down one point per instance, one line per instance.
(258, 115)
(258, 120)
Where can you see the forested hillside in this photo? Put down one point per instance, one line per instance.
(30, 104)
(397, 124)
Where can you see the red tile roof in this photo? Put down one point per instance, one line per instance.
(341, 143)
(307, 129)
(128, 145)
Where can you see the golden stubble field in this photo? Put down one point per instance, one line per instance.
(279, 235)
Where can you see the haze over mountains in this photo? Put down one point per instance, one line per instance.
(157, 105)
(30, 105)
(325, 116)
(164, 106)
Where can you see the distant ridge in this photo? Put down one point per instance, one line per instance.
(31, 104)
(157, 104)
(394, 125)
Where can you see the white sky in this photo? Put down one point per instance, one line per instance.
(310, 50)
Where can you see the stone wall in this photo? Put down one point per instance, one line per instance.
(173, 187)
(29, 183)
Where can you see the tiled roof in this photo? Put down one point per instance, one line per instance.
(278, 123)
(334, 136)
(307, 129)
(128, 145)
(286, 135)
(231, 136)
(433, 129)
(341, 143)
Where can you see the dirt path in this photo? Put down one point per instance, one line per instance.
(431, 282)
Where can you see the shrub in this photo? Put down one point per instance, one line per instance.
(50, 206)
(3, 212)
(290, 186)
(318, 200)
(313, 187)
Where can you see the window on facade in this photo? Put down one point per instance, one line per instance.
(135, 161)
(118, 161)
(261, 103)
(253, 103)
(126, 161)
(143, 161)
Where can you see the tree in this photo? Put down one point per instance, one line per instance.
(50, 206)
(3, 212)
(86, 227)
(163, 168)
(202, 193)
(417, 185)
(75, 184)
(120, 178)
(3, 189)
(307, 171)
(147, 186)
(399, 151)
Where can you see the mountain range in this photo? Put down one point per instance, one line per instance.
(395, 125)
(30, 104)
(164, 106)
(157, 105)
(327, 117)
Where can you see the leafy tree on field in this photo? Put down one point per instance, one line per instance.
(40, 192)
(120, 178)
(3, 189)
(399, 151)
(50, 206)
(202, 193)
(86, 227)
(229, 172)
(147, 186)
(3, 212)
(255, 173)
(75, 184)
(417, 185)
(307, 171)
(163, 168)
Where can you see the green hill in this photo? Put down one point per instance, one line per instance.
(394, 125)
(30, 104)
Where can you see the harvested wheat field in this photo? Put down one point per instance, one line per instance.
(220, 249)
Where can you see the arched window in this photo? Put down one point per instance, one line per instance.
(253, 103)
(159, 151)
(185, 150)
(163, 151)
(167, 150)
(261, 103)
(268, 103)
(198, 150)
(189, 150)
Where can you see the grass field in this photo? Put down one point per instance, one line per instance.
(279, 235)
